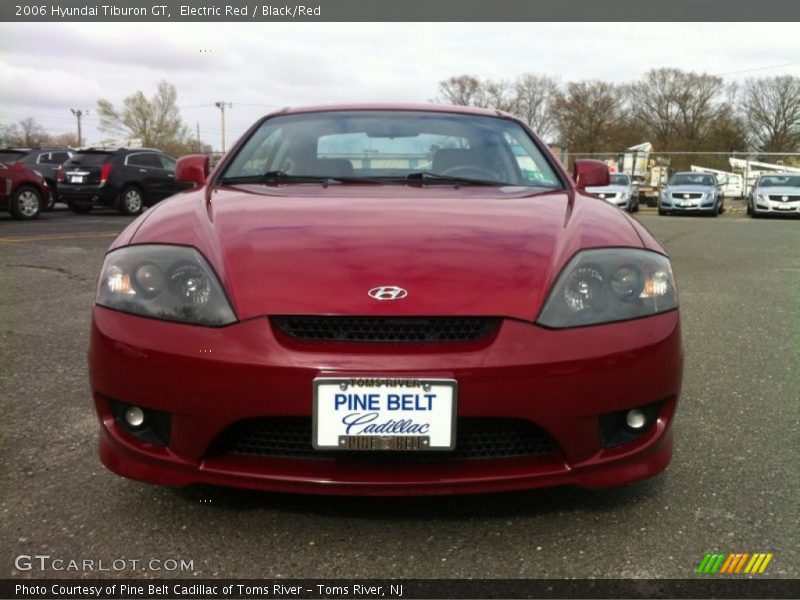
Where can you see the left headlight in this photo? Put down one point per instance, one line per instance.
(607, 285)
(174, 283)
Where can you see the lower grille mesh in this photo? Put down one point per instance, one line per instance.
(476, 438)
(386, 329)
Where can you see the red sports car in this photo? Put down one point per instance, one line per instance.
(23, 191)
(386, 299)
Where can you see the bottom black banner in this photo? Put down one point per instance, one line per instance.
(411, 589)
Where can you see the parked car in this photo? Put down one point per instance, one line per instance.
(125, 179)
(692, 192)
(44, 161)
(619, 192)
(23, 191)
(775, 194)
(434, 316)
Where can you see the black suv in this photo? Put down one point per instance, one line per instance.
(44, 161)
(127, 179)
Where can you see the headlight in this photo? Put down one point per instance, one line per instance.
(616, 284)
(762, 197)
(165, 282)
(624, 195)
(710, 194)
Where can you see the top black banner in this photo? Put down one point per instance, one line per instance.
(401, 10)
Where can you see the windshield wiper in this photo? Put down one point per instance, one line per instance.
(276, 177)
(429, 176)
(284, 177)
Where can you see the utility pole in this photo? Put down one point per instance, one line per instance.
(199, 145)
(78, 114)
(221, 106)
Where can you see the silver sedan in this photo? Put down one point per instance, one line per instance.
(775, 194)
(619, 191)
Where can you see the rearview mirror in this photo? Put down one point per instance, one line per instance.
(193, 168)
(588, 172)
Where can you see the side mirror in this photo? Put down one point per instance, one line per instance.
(588, 172)
(192, 169)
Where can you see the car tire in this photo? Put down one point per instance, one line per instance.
(661, 211)
(26, 203)
(131, 201)
(748, 209)
(635, 206)
(78, 207)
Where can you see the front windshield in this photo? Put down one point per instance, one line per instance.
(780, 181)
(692, 179)
(392, 146)
(619, 179)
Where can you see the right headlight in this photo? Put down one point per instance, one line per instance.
(607, 285)
(174, 283)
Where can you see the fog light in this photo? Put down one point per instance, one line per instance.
(635, 419)
(134, 416)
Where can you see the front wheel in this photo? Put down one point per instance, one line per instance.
(26, 203)
(131, 201)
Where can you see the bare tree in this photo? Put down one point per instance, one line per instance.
(69, 140)
(534, 95)
(677, 109)
(772, 111)
(26, 133)
(500, 95)
(586, 113)
(157, 122)
(463, 90)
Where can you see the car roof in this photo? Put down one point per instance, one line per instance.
(38, 149)
(420, 107)
(117, 150)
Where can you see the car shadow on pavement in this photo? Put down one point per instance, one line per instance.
(507, 504)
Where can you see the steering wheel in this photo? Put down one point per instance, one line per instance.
(467, 169)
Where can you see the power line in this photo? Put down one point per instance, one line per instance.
(758, 69)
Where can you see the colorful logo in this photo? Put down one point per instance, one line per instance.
(735, 562)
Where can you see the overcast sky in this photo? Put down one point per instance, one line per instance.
(48, 68)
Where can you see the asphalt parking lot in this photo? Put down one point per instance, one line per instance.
(732, 486)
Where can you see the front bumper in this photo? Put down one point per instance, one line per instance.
(693, 206)
(209, 379)
(776, 207)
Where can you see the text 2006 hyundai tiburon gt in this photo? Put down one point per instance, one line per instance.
(386, 300)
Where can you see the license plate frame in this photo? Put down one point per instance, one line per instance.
(330, 435)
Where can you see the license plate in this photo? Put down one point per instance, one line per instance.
(76, 179)
(384, 413)
(779, 207)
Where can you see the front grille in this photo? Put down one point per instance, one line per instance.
(386, 329)
(476, 438)
(682, 196)
(788, 198)
(607, 196)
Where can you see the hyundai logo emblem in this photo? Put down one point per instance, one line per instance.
(387, 292)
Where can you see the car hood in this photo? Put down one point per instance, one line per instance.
(690, 189)
(778, 191)
(609, 189)
(314, 250)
